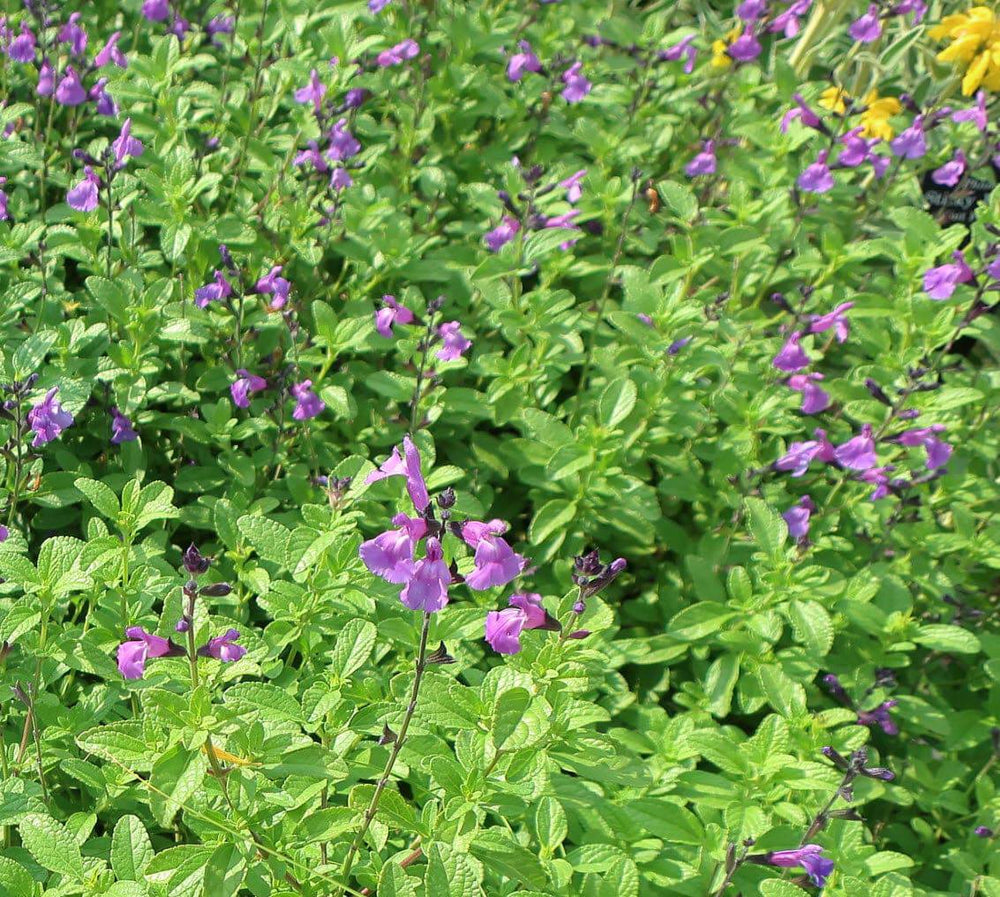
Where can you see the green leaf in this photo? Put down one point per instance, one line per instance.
(268, 537)
(269, 700)
(177, 774)
(225, 871)
(394, 882)
(550, 823)
(557, 513)
(510, 709)
(99, 495)
(131, 849)
(354, 645)
(812, 626)
(616, 402)
(698, 620)
(951, 639)
(500, 852)
(51, 845)
(774, 887)
(31, 353)
(121, 742)
(767, 527)
(15, 880)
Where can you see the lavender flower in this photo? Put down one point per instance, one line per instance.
(427, 587)
(837, 319)
(71, 33)
(454, 343)
(801, 454)
(577, 86)
(685, 50)
(223, 647)
(313, 92)
(525, 61)
(121, 428)
(810, 857)
(110, 53)
(504, 627)
(704, 162)
(156, 10)
(572, 185)
(858, 453)
(106, 104)
(938, 452)
(214, 291)
(307, 403)
(797, 518)
(879, 716)
(142, 645)
(949, 174)
(342, 143)
(404, 50)
(496, 563)
(4, 214)
(745, 48)
(275, 286)
(390, 555)
(405, 465)
(868, 28)
(48, 418)
(391, 313)
(244, 386)
(976, 114)
(46, 80)
(940, 283)
(84, 196)
(751, 10)
(502, 234)
(126, 145)
(814, 398)
(22, 48)
(803, 114)
(70, 91)
(911, 143)
(792, 356)
(817, 177)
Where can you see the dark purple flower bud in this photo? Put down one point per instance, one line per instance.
(838, 760)
(183, 625)
(879, 716)
(355, 97)
(836, 689)
(579, 607)
(675, 347)
(446, 500)
(216, 590)
(982, 831)
(194, 561)
(876, 392)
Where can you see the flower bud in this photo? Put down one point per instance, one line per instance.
(216, 590)
(194, 561)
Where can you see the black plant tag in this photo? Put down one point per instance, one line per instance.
(955, 205)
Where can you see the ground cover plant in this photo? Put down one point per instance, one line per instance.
(538, 448)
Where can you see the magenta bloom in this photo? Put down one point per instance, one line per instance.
(4, 214)
(70, 91)
(427, 587)
(223, 647)
(797, 518)
(879, 478)
(214, 291)
(307, 403)
(911, 143)
(522, 62)
(376, 6)
(880, 717)
(685, 50)
(572, 185)
(949, 174)
(837, 319)
(801, 454)
(244, 386)
(313, 92)
(792, 356)
(46, 80)
(340, 179)
(788, 21)
(814, 398)
(803, 113)
(126, 145)
(4, 533)
(121, 428)
(745, 48)
(704, 162)
(156, 10)
(940, 283)
(84, 196)
(48, 418)
(976, 114)
(454, 343)
(503, 630)
(496, 563)
(404, 50)
(392, 313)
(110, 53)
(817, 177)
(71, 33)
(938, 452)
(390, 555)
(312, 156)
(133, 654)
(22, 48)
(857, 150)
(868, 28)
(405, 465)
(858, 453)
(577, 86)
(106, 104)
(502, 234)
(810, 858)
(275, 286)
(751, 10)
(342, 143)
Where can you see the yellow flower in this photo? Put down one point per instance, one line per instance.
(876, 116)
(833, 99)
(720, 56)
(974, 47)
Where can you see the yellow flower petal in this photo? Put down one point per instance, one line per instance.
(974, 76)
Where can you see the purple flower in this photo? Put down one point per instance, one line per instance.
(836, 319)
(106, 104)
(792, 356)
(949, 174)
(48, 418)
(307, 403)
(704, 162)
(503, 629)
(404, 50)
(340, 179)
(751, 10)
(788, 21)
(522, 62)
(180, 26)
(126, 145)
(454, 343)
(982, 831)
(678, 344)
(801, 454)
(390, 555)
(814, 398)
(4, 533)
(880, 717)
(313, 92)
(314, 156)
(22, 48)
(810, 857)
(879, 478)
(911, 143)
(745, 48)
(342, 143)
(572, 185)
(405, 465)
(817, 177)
(427, 587)
(917, 7)
(536, 617)
(577, 86)
(220, 25)
(121, 428)
(46, 80)
(223, 647)
(684, 49)
(645, 319)
(244, 386)
(502, 234)
(275, 286)
(84, 196)
(71, 33)
(4, 214)
(938, 452)
(391, 313)
(156, 10)
(868, 28)
(803, 113)
(214, 291)
(133, 654)
(355, 97)
(940, 283)
(797, 518)
(70, 91)
(376, 6)
(111, 53)
(496, 563)
(858, 453)
(857, 150)
(975, 114)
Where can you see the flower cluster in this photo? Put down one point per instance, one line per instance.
(974, 38)
(878, 715)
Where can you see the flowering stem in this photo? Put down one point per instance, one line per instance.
(111, 224)
(415, 400)
(821, 817)
(397, 746)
